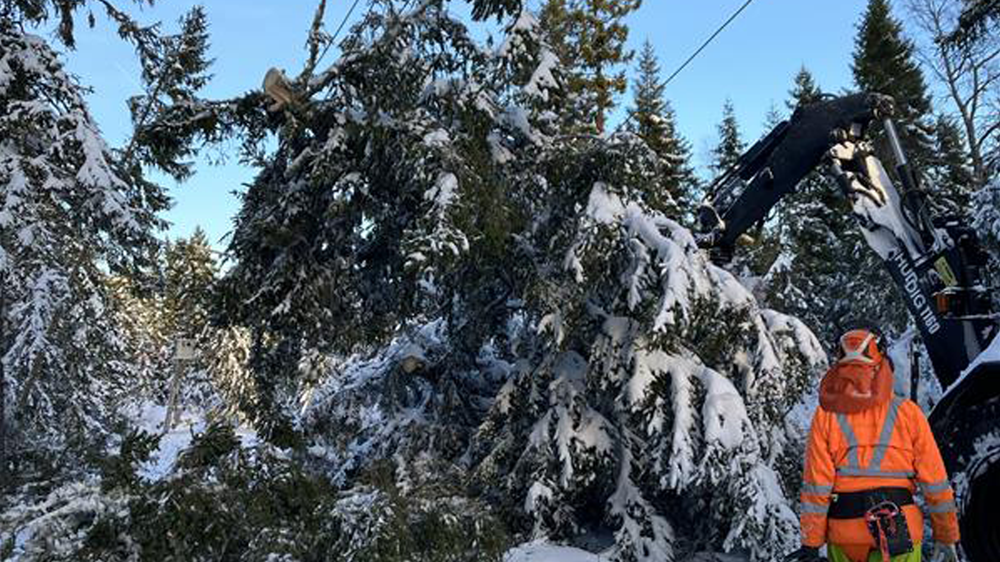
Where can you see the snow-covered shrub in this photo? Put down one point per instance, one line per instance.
(412, 511)
(59, 525)
(226, 502)
(385, 408)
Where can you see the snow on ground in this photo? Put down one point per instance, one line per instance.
(150, 418)
(542, 552)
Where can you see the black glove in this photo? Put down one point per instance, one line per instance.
(804, 554)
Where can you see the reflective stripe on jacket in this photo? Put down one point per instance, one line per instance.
(889, 445)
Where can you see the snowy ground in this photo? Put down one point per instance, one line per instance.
(543, 552)
(150, 417)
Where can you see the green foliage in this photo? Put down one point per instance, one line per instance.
(423, 180)
(401, 208)
(174, 69)
(951, 176)
(483, 9)
(177, 302)
(978, 18)
(37, 12)
(145, 323)
(71, 215)
(224, 502)
(168, 118)
(654, 121)
(120, 470)
(715, 331)
(189, 277)
(589, 36)
(731, 144)
(884, 63)
(431, 520)
(804, 90)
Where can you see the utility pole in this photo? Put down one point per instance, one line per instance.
(184, 352)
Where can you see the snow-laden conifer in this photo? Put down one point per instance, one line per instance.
(69, 215)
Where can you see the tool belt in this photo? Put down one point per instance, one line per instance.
(854, 505)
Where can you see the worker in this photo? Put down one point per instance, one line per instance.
(867, 452)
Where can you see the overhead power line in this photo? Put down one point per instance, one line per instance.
(344, 21)
(709, 40)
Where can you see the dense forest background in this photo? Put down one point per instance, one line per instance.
(461, 308)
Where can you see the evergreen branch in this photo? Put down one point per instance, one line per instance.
(313, 42)
(388, 37)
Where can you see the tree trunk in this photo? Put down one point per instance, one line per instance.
(969, 73)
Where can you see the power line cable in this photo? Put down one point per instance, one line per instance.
(343, 22)
(707, 41)
(333, 38)
(694, 55)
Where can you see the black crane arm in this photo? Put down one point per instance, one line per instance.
(936, 265)
(773, 166)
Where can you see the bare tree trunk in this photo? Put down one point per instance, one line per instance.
(969, 72)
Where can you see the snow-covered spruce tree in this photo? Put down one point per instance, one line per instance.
(70, 213)
(373, 212)
(950, 174)
(176, 303)
(421, 224)
(731, 144)
(482, 9)
(652, 118)
(986, 220)
(977, 19)
(141, 316)
(884, 63)
(649, 403)
(190, 274)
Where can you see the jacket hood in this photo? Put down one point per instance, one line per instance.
(849, 388)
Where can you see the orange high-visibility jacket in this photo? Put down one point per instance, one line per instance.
(887, 444)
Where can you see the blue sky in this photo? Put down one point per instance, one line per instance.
(752, 63)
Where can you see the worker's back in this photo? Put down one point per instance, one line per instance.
(867, 452)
